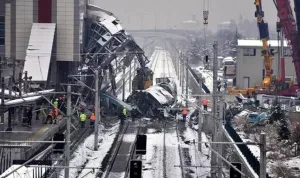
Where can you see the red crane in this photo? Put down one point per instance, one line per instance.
(290, 32)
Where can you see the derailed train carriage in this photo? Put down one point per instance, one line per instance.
(151, 100)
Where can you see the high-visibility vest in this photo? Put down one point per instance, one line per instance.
(56, 112)
(93, 117)
(82, 117)
(124, 112)
(204, 102)
(55, 104)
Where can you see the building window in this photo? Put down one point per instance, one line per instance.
(287, 52)
(249, 52)
(2, 30)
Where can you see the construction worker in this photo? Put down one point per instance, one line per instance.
(29, 116)
(55, 114)
(205, 103)
(92, 120)
(82, 119)
(49, 118)
(184, 113)
(55, 103)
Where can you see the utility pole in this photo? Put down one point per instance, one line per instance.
(214, 109)
(187, 82)
(263, 157)
(123, 87)
(97, 109)
(200, 115)
(67, 157)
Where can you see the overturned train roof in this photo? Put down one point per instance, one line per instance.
(150, 100)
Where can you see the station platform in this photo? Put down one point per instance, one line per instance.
(15, 150)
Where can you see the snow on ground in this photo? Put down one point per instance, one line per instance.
(172, 156)
(198, 158)
(86, 157)
(154, 158)
(129, 138)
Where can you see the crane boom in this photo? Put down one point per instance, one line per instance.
(288, 22)
(264, 37)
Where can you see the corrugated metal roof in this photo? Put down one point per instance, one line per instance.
(258, 43)
(38, 54)
(112, 28)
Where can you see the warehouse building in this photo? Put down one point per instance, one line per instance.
(250, 68)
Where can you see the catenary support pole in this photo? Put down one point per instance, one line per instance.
(123, 82)
(182, 75)
(263, 157)
(69, 111)
(130, 70)
(214, 109)
(200, 117)
(2, 105)
(97, 109)
(187, 82)
(220, 136)
(178, 67)
(10, 85)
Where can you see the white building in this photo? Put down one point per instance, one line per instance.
(250, 67)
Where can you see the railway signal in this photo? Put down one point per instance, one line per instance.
(135, 169)
(141, 145)
(59, 147)
(233, 173)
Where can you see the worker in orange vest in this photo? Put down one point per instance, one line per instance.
(184, 113)
(49, 118)
(92, 120)
(204, 103)
(55, 115)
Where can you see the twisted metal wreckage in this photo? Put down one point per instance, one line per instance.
(109, 49)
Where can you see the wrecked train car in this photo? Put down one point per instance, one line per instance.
(150, 100)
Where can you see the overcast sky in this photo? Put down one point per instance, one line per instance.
(144, 14)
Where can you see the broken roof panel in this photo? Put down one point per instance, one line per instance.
(22, 100)
(160, 94)
(38, 54)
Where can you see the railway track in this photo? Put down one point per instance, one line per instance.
(181, 157)
(122, 152)
(77, 137)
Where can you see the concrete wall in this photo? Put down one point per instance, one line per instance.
(7, 30)
(67, 30)
(2, 13)
(252, 67)
(24, 20)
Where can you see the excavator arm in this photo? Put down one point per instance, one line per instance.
(264, 36)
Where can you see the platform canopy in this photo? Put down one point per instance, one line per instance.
(39, 51)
